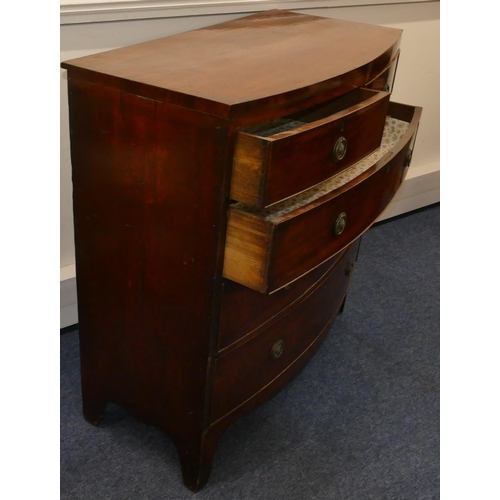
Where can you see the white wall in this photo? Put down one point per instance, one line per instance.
(417, 83)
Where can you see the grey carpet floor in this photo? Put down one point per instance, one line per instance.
(360, 422)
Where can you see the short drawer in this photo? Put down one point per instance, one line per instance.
(243, 371)
(385, 80)
(278, 159)
(268, 249)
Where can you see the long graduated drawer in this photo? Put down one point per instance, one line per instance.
(260, 358)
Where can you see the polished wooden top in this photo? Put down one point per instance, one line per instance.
(258, 57)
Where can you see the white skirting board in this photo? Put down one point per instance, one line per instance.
(420, 189)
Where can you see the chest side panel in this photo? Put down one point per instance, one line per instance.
(149, 184)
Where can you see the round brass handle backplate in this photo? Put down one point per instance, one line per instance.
(340, 224)
(277, 349)
(340, 149)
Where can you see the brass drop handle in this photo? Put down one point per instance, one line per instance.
(409, 154)
(340, 149)
(277, 349)
(340, 224)
(349, 269)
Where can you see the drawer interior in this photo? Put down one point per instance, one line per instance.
(346, 103)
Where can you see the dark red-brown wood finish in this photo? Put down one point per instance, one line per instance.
(306, 152)
(258, 62)
(148, 206)
(153, 131)
(237, 378)
(244, 310)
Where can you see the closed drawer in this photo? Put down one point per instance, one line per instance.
(244, 312)
(243, 371)
(385, 80)
(268, 249)
(278, 159)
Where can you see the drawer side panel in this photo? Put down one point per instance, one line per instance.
(248, 248)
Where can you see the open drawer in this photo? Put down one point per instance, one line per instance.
(266, 249)
(280, 158)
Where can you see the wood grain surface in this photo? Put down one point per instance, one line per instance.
(267, 57)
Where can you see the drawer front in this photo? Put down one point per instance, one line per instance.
(292, 244)
(278, 159)
(385, 80)
(245, 312)
(243, 371)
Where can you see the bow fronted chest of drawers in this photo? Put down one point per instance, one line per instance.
(222, 179)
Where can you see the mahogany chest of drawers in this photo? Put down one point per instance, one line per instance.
(222, 179)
